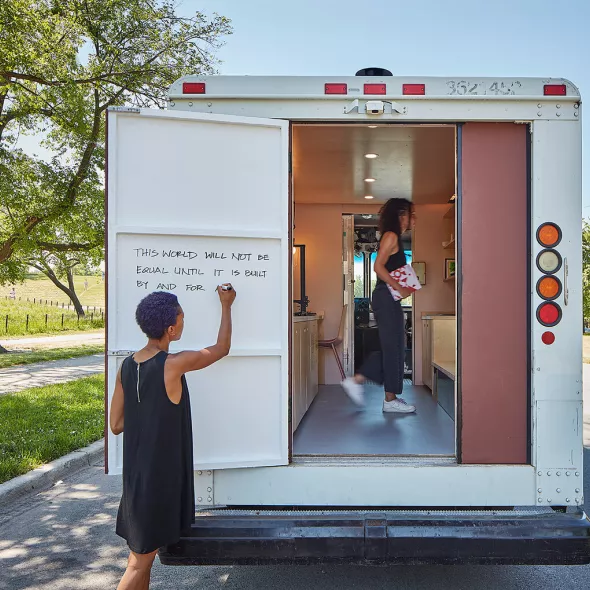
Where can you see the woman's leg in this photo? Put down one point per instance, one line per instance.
(390, 322)
(137, 574)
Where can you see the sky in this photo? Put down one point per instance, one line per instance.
(459, 38)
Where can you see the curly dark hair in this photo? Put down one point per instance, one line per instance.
(156, 312)
(389, 215)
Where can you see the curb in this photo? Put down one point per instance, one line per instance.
(45, 476)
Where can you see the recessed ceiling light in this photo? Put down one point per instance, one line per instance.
(369, 180)
(371, 156)
(368, 196)
(372, 126)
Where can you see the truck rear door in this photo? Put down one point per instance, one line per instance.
(196, 200)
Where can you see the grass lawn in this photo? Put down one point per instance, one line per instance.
(39, 287)
(41, 424)
(36, 356)
(43, 319)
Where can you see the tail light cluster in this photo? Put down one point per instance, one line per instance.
(549, 287)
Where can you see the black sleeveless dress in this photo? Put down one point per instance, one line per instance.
(158, 488)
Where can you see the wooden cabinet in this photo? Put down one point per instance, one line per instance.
(305, 368)
(438, 345)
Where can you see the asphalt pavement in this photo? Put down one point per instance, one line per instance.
(13, 379)
(64, 539)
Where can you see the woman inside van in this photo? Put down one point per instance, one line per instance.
(151, 406)
(386, 367)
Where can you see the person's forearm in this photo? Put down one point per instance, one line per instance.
(224, 336)
(384, 275)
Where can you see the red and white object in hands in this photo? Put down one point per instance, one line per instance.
(406, 277)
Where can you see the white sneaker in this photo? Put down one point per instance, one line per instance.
(354, 390)
(398, 405)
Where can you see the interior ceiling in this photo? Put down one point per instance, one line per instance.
(415, 162)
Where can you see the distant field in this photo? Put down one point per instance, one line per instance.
(43, 319)
(39, 287)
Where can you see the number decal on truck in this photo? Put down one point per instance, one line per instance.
(462, 87)
(470, 88)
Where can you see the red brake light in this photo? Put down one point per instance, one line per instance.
(375, 88)
(554, 90)
(549, 314)
(548, 338)
(335, 89)
(414, 89)
(193, 88)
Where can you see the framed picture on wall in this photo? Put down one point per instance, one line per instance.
(449, 268)
(420, 270)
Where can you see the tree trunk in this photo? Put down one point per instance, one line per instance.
(69, 290)
(72, 288)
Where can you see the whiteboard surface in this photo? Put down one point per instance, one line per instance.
(195, 201)
(192, 268)
(217, 175)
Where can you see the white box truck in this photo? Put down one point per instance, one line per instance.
(274, 184)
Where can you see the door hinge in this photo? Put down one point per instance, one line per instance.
(125, 110)
(204, 488)
(290, 162)
(120, 352)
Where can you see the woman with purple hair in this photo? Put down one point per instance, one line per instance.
(151, 405)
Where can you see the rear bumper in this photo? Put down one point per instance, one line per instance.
(396, 537)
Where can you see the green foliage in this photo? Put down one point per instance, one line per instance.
(41, 424)
(51, 354)
(586, 268)
(63, 63)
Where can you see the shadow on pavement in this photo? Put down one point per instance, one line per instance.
(64, 539)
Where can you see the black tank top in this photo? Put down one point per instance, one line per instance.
(158, 487)
(394, 262)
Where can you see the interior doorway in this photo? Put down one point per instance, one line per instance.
(338, 192)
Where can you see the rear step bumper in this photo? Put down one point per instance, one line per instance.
(357, 537)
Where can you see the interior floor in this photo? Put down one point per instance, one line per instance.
(333, 425)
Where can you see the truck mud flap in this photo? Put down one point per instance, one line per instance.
(518, 537)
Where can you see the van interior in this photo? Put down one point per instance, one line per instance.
(342, 175)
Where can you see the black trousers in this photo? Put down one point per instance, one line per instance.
(386, 367)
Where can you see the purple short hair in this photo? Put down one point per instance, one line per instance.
(156, 313)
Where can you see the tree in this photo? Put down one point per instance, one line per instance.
(586, 269)
(63, 63)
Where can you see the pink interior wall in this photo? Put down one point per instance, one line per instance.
(494, 294)
(436, 296)
(319, 227)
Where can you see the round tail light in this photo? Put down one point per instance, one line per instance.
(548, 338)
(549, 235)
(549, 314)
(549, 261)
(549, 288)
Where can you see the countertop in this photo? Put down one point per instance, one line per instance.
(447, 367)
(308, 318)
(434, 316)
